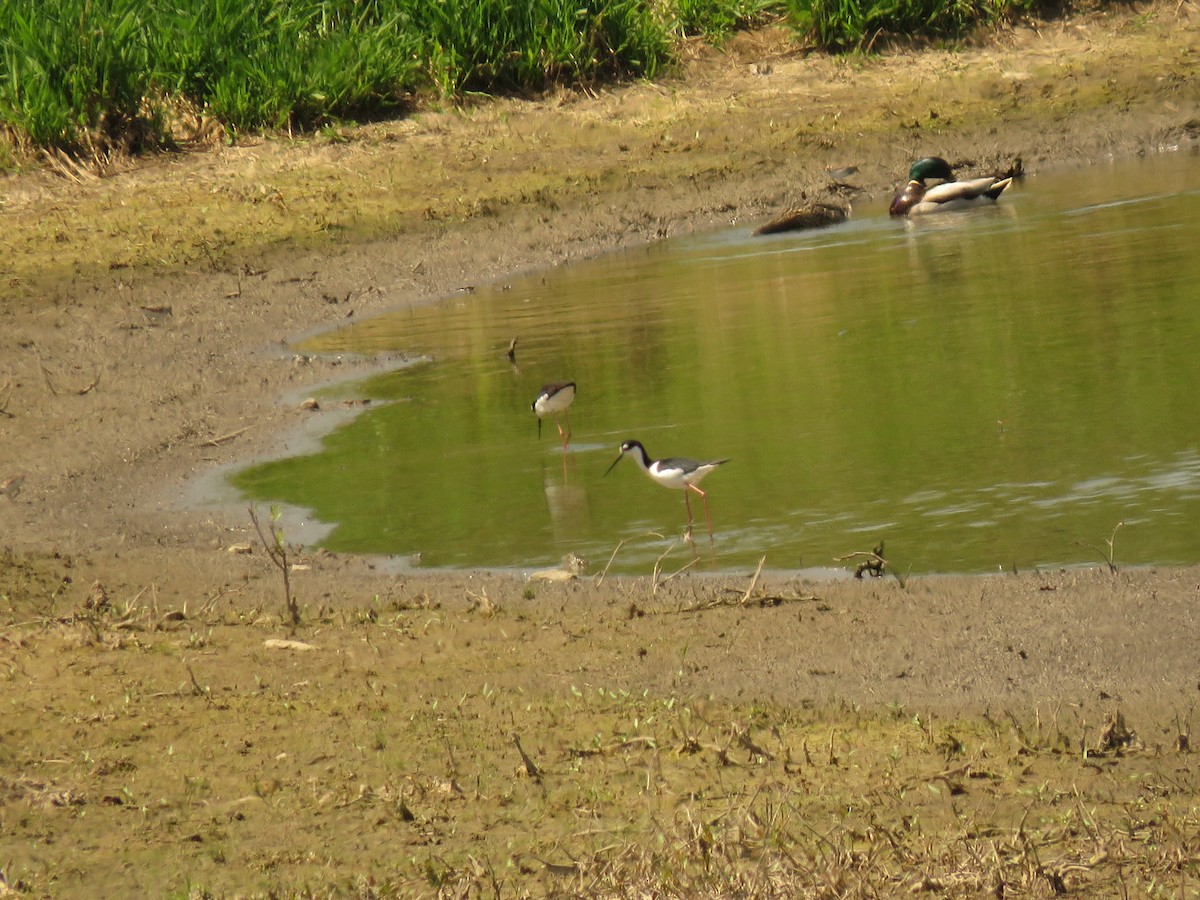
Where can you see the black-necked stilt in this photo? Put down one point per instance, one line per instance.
(674, 472)
(555, 398)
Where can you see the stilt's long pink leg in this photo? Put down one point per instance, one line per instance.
(704, 497)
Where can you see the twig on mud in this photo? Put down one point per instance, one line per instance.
(617, 549)
(558, 868)
(45, 374)
(741, 736)
(453, 763)
(208, 604)
(86, 389)
(481, 603)
(762, 599)
(687, 565)
(753, 582)
(8, 386)
(197, 688)
(655, 582)
(133, 615)
(217, 441)
(91, 386)
(531, 768)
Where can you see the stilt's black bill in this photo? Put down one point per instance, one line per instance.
(614, 463)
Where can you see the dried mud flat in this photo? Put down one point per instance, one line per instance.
(165, 732)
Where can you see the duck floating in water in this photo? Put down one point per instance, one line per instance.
(807, 215)
(917, 198)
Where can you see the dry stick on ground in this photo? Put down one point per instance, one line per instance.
(874, 562)
(8, 387)
(277, 551)
(617, 549)
(208, 604)
(198, 689)
(531, 768)
(90, 386)
(753, 582)
(655, 583)
(45, 374)
(481, 602)
(217, 441)
(450, 760)
(762, 598)
(86, 389)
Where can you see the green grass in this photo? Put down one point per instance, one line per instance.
(89, 76)
(72, 73)
(856, 24)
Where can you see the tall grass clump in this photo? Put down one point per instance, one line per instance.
(857, 24)
(489, 46)
(74, 74)
(717, 19)
(255, 64)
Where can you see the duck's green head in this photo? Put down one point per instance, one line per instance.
(930, 167)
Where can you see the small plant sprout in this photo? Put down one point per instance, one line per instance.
(1108, 551)
(277, 551)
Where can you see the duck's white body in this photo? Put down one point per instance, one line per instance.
(958, 195)
(918, 197)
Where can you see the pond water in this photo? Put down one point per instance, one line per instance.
(994, 389)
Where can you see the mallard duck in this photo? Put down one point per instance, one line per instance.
(917, 198)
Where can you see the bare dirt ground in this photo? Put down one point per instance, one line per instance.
(469, 734)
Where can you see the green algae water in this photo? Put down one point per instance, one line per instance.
(994, 389)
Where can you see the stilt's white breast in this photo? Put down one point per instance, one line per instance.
(679, 473)
(554, 398)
